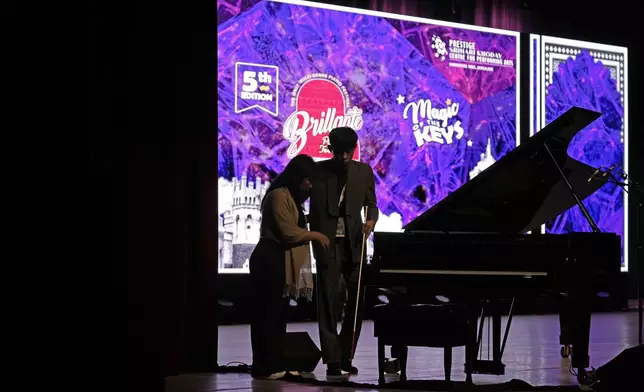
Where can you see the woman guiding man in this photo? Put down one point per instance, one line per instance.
(280, 265)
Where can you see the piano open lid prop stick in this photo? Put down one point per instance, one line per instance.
(472, 245)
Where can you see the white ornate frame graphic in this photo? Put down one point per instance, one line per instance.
(552, 51)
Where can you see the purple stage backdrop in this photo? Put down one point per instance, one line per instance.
(592, 76)
(433, 103)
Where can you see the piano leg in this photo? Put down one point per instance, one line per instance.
(580, 314)
(565, 325)
(580, 339)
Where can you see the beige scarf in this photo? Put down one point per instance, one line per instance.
(280, 224)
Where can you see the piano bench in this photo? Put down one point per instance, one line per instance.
(422, 325)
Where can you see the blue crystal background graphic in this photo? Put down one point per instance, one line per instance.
(585, 82)
(377, 60)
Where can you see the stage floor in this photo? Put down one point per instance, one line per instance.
(532, 355)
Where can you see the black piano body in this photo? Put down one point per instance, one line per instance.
(459, 264)
(483, 242)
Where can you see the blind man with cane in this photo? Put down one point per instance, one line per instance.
(344, 191)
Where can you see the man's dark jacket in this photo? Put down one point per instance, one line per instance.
(324, 210)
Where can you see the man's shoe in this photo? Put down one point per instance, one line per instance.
(333, 370)
(346, 366)
(274, 376)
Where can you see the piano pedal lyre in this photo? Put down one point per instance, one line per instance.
(566, 351)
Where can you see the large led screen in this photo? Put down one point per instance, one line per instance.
(433, 103)
(567, 73)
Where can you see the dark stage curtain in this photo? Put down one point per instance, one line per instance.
(500, 14)
(503, 14)
(153, 166)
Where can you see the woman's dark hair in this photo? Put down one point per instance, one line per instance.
(298, 169)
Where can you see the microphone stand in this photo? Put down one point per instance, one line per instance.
(637, 196)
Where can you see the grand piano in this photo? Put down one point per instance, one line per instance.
(482, 244)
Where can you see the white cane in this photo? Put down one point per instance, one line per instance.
(355, 316)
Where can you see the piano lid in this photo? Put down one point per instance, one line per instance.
(522, 190)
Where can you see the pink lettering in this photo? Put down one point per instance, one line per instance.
(298, 125)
